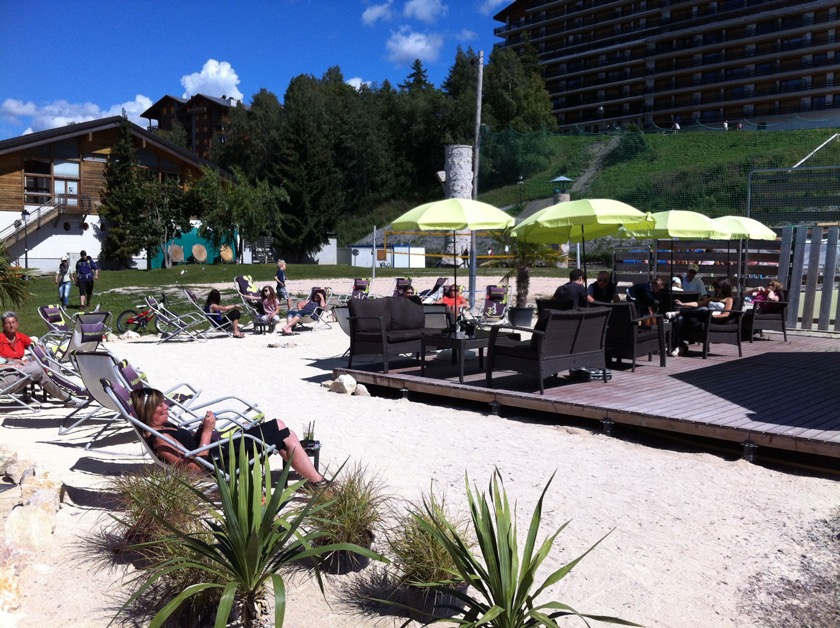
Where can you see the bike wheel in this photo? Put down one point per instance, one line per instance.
(163, 327)
(128, 320)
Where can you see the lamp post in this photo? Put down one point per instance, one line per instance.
(23, 216)
(520, 183)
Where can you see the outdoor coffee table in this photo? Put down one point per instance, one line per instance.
(459, 342)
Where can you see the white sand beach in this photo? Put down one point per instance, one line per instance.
(695, 541)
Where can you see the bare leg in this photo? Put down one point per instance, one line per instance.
(290, 325)
(300, 461)
(236, 328)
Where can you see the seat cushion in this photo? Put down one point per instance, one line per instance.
(513, 348)
(403, 335)
(405, 314)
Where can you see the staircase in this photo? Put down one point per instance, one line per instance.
(50, 210)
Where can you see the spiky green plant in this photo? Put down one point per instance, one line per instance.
(522, 256)
(504, 578)
(248, 540)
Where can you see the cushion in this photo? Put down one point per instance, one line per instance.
(405, 314)
(370, 307)
(542, 323)
(404, 335)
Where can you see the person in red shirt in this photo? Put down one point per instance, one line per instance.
(454, 301)
(14, 363)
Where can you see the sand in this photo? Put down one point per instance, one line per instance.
(690, 532)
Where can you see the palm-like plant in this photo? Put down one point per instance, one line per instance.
(522, 256)
(504, 579)
(248, 539)
(13, 292)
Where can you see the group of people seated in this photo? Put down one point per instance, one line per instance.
(268, 303)
(649, 297)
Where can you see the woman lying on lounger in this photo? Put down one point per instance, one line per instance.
(152, 409)
(305, 308)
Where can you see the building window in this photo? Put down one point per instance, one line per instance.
(37, 190)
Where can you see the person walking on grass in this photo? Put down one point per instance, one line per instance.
(86, 273)
(64, 279)
(280, 277)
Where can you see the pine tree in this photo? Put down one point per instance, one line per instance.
(122, 199)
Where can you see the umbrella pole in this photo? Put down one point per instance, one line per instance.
(583, 249)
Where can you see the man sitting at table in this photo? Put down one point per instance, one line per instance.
(646, 295)
(602, 289)
(692, 282)
(574, 292)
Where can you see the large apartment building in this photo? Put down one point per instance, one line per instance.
(609, 62)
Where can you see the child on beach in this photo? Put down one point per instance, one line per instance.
(280, 276)
(271, 308)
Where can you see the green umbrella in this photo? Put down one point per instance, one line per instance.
(743, 228)
(454, 214)
(575, 221)
(675, 224)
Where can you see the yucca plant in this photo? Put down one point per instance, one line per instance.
(504, 578)
(248, 539)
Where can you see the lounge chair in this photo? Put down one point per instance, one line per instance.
(494, 311)
(88, 330)
(223, 327)
(121, 398)
(249, 294)
(58, 324)
(320, 318)
(14, 393)
(434, 293)
(560, 340)
(172, 325)
(361, 288)
(400, 284)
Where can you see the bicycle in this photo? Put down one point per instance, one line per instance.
(132, 320)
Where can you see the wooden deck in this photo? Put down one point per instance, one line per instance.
(778, 395)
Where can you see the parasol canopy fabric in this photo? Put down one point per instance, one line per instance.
(453, 214)
(577, 221)
(743, 228)
(677, 223)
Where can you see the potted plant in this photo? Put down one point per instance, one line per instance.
(503, 578)
(347, 510)
(521, 257)
(419, 560)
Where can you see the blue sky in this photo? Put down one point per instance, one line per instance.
(72, 61)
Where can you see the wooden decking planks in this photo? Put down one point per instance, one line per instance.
(778, 395)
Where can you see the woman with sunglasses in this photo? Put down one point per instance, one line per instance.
(271, 308)
(453, 300)
(152, 409)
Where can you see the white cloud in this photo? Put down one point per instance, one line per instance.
(405, 46)
(466, 35)
(425, 10)
(490, 6)
(377, 12)
(217, 78)
(356, 83)
(61, 113)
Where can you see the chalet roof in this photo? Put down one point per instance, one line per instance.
(93, 126)
(152, 112)
(222, 102)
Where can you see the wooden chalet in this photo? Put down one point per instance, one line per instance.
(51, 182)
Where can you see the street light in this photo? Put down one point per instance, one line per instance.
(520, 183)
(23, 216)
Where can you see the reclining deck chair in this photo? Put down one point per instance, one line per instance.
(13, 389)
(58, 325)
(320, 318)
(95, 365)
(68, 380)
(224, 327)
(174, 325)
(434, 293)
(87, 333)
(361, 288)
(494, 311)
(400, 285)
(120, 396)
(249, 294)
